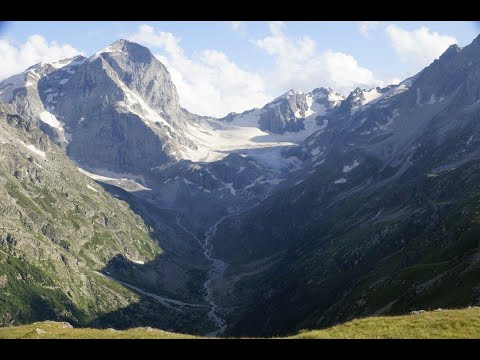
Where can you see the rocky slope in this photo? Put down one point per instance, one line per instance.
(69, 250)
(57, 228)
(383, 218)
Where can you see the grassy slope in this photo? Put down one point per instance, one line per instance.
(56, 330)
(447, 324)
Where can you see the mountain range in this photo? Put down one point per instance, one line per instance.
(121, 208)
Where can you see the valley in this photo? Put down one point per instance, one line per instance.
(311, 211)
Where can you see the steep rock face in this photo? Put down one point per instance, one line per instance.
(34, 94)
(288, 112)
(105, 133)
(57, 227)
(141, 72)
(121, 102)
(281, 115)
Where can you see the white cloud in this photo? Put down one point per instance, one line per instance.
(284, 48)
(365, 27)
(300, 66)
(236, 25)
(209, 83)
(395, 81)
(239, 26)
(418, 48)
(147, 35)
(16, 58)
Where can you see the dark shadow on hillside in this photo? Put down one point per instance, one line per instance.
(47, 309)
(182, 311)
(161, 222)
(164, 284)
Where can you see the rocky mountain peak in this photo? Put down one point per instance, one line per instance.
(122, 42)
(285, 95)
(356, 97)
(476, 41)
(143, 74)
(321, 91)
(451, 51)
(127, 49)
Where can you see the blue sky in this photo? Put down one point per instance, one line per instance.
(220, 67)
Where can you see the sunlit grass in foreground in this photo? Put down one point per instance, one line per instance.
(446, 324)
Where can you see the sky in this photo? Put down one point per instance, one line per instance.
(220, 67)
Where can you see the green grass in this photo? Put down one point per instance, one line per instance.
(445, 324)
(56, 330)
(21, 199)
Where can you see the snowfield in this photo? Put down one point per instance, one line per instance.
(348, 168)
(216, 139)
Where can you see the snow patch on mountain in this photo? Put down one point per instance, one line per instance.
(434, 100)
(390, 120)
(50, 119)
(128, 182)
(139, 262)
(229, 186)
(348, 168)
(33, 149)
(135, 104)
(419, 96)
(335, 97)
(256, 181)
(92, 188)
(371, 95)
(216, 139)
(68, 63)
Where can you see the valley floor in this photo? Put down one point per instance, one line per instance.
(438, 324)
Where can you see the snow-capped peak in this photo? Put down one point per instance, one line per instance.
(362, 98)
(73, 61)
(285, 95)
(124, 47)
(371, 95)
